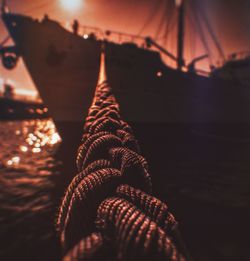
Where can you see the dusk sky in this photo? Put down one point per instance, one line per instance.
(229, 19)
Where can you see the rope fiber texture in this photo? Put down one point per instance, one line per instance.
(108, 212)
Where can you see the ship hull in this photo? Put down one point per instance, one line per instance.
(149, 91)
(65, 69)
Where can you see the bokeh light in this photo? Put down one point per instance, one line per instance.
(71, 5)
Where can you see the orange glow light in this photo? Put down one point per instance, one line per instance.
(71, 5)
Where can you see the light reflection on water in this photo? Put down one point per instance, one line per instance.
(27, 170)
(34, 136)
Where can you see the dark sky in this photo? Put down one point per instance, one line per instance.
(230, 20)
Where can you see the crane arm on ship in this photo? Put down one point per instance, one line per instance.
(191, 65)
(150, 42)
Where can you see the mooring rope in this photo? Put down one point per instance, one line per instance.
(107, 212)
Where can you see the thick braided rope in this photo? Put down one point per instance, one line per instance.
(107, 212)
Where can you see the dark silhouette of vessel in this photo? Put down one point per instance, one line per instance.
(12, 108)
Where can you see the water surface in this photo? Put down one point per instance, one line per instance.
(28, 197)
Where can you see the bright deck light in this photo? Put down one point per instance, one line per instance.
(71, 5)
(85, 36)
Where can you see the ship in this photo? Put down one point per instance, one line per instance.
(236, 68)
(64, 66)
(14, 108)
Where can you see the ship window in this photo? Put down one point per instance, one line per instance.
(14, 24)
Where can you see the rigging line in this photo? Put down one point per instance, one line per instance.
(201, 32)
(193, 42)
(169, 23)
(210, 30)
(161, 24)
(170, 32)
(151, 16)
(167, 42)
(173, 42)
(192, 33)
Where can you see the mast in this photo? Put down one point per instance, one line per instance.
(180, 35)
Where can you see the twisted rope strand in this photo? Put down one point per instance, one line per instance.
(107, 212)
